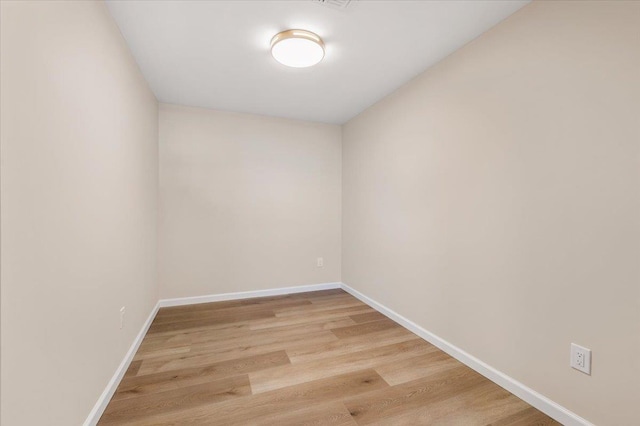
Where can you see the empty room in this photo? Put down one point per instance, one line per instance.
(320, 212)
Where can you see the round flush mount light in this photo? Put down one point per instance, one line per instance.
(297, 48)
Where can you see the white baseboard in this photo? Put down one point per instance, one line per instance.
(523, 392)
(246, 294)
(103, 401)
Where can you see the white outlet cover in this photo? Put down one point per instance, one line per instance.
(580, 358)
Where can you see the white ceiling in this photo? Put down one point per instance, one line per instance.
(215, 54)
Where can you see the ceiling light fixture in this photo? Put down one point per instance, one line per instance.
(297, 48)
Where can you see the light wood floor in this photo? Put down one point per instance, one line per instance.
(311, 358)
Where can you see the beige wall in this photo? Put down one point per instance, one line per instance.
(495, 201)
(247, 202)
(79, 195)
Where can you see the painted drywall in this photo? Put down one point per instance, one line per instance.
(79, 199)
(247, 202)
(495, 201)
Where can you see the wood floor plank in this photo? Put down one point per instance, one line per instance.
(364, 328)
(127, 410)
(161, 352)
(335, 299)
(220, 332)
(477, 406)
(279, 377)
(227, 318)
(409, 369)
(269, 300)
(215, 335)
(398, 400)
(357, 343)
(169, 339)
(169, 380)
(323, 307)
(292, 399)
(200, 357)
(307, 318)
(133, 369)
(331, 414)
(309, 358)
(371, 316)
(529, 416)
(244, 311)
(208, 342)
(282, 403)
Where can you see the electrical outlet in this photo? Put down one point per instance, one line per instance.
(122, 312)
(320, 262)
(581, 358)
